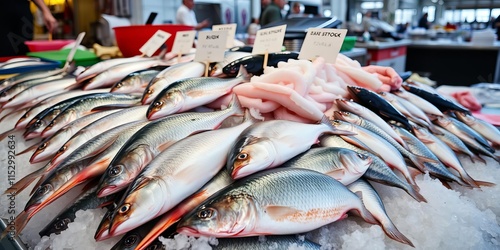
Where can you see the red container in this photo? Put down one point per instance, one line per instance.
(131, 38)
(39, 45)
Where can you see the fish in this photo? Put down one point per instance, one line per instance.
(88, 105)
(485, 129)
(168, 178)
(269, 144)
(379, 105)
(344, 165)
(190, 93)
(156, 137)
(168, 76)
(97, 127)
(276, 201)
(118, 72)
(86, 200)
(30, 76)
(374, 205)
(254, 64)
(377, 145)
(137, 81)
(106, 64)
(417, 113)
(170, 218)
(436, 99)
(7, 93)
(470, 137)
(436, 168)
(229, 56)
(446, 155)
(49, 146)
(456, 144)
(30, 93)
(131, 239)
(49, 101)
(351, 106)
(102, 232)
(378, 171)
(418, 101)
(277, 242)
(359, 121)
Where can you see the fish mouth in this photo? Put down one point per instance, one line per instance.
(236, 173)
(102, 234)
(187, 230)
(31, 135)
(105, 191)
(153, 115)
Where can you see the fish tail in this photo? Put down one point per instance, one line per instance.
(419, 161)
(6, 133)
(24, 182)
(365, 214)
(484, 183)
(413, 191)
(19, 224)
(477, 158)
(468, 179)
(392, 232)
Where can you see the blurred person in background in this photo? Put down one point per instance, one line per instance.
(16, 25)
(263, 6)
(272, 13)
(423, 22)
(186, 16)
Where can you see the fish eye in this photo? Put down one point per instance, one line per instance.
(62, 224)
(149, 91)
(62, 149)
(37, 124)
(363, 156)
(43, 146)
(115, 171)
(50, 124)
(157, 104)
(123, 209)
(130, 240)
(118, 85)
(242, 156)
(206, 213)
(43, 189)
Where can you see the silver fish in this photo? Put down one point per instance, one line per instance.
(106, 64)
(169, 75)
(155, 138)
(487, 130)
(378, 171)
(190, 93)
(367, 114)
(276, 201)
(344, 165)
(276, 242)
(136, 82)
(11, 91)
(87, 105)
(436, 168)
(268, 144)
(374, 205)
(418, 101)
(167, 179)
(455, 143)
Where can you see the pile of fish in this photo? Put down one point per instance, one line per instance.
(244, 152)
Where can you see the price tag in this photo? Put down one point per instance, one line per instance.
(211, 46)
(231, 31)
(322, 42)
(269, 40)
(154, 43)
(183, 42)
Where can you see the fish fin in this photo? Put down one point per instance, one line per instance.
(414, 192)
(445, 184)
(365, 214)
(337, 174)
(235, 105)
(24, 182)
(243, 73)
(419, 160)
(281, 212)
(484, 183)
(164, 146)
(325, 120)
(392, 232)
(414, 172)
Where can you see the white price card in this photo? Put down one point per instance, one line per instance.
(183, 41)
(231, 31)
(211, 46)
(269, 40)
(322, 42)
(154, 43)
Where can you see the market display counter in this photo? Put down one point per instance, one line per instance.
(454, 63)
(392, 54)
